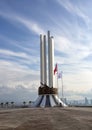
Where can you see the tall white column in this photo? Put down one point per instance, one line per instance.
(50, 59)
(45, 62)
(43, 71)
(41, 61)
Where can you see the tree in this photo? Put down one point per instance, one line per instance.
(2, 104)
(24, 103)
(12, 103)
(7, 103)
(30, 103)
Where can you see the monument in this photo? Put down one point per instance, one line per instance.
(47, 92)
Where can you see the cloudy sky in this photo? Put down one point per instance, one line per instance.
(21, 23)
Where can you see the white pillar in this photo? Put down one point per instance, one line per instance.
(41, 61)
(45, 62)
(43, 71)
(50, 59)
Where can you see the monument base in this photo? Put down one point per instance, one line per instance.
(47, 90)
(48, 97)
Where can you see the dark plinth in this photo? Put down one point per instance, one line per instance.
(47, 90)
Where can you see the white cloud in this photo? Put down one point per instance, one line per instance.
(75, 51)
(20, 46)
(13, 73)
(62, 44)
(15, 54)
(74, 9)
(76, 86)
(17, 94)
(23, 57)
(29, 24)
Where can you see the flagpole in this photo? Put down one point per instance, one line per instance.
(57, 79)
(62, 86)
(57, 75)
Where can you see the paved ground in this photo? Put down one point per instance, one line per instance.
(46, 119)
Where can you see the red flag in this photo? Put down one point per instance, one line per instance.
(55, 70)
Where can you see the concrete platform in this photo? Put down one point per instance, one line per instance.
(46, 119)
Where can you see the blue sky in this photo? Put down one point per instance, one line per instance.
(21, 23)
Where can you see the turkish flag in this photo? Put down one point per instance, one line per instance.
(55, 70)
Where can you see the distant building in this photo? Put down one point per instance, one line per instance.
(86, 101)
(90, 101)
